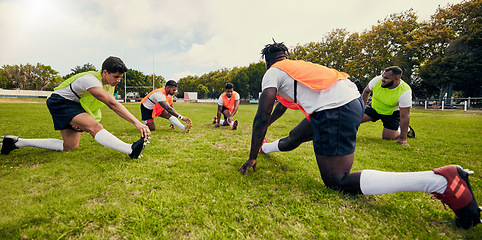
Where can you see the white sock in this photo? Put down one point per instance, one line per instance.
(176, 122)
(376, 182)
(270, 147)
(108, 140)
(50, 143)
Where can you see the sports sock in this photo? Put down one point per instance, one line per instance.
(270, 147)
(176, 122)
(50, 143)
(107, 139)
(221, 122)
(374, 182)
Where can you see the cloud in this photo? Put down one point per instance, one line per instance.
(172, 38)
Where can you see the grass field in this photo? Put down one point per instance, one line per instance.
(186, 185)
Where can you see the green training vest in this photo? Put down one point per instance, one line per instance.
(385, 100)
(90, 104)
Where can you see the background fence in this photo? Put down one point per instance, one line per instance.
(449, 103)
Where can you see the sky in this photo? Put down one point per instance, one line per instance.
(177, 38)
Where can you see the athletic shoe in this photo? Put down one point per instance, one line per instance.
(235, 125)
(215, 120)
(138, 147)
(8, 144)
(459, 196)
(411, 132)
(187, 127)
(261, 148)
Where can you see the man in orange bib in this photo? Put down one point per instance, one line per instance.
(334, 107)
(159, 103)
(228, 104)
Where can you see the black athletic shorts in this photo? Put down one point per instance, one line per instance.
(63, 111)
(391, 122)
(334, 130)
(146, 114)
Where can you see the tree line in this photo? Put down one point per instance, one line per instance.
(42, 77)
(440, 56)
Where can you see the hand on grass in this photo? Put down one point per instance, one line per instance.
(403, 142)
(185, 119)
(248, 164)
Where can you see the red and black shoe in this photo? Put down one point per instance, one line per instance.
(459, 196)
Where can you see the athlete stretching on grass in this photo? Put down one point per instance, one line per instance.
(391, 103)
(159, 103)
(75, 107)
(335, 108)
(228, 104)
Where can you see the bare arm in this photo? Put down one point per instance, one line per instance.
(171, 110)
(235, 109)
(103, 96)
(278, 111)
(218, 115)
(404, 123)
(366, 93)
(260, 125)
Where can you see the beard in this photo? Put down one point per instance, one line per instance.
(387, 85)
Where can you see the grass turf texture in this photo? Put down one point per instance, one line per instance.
(186, 185)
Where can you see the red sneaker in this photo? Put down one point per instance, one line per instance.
(459, 196)
(215, 120)
(261, 148)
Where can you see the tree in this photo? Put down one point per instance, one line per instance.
(452, 43)
(80, 69)
(29, 77)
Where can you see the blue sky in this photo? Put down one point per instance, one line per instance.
(176, 38)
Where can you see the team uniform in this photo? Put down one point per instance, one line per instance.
(228, 103)
(68, 100)
(150, 108)
(72, 98)
(386, 103)
(334, 112)
(335, 109)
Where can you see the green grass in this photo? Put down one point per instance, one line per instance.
(186, 185)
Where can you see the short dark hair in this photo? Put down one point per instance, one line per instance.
(229, 86)
(396, 70)
(114, 65)
(272, 51)
(171, 83)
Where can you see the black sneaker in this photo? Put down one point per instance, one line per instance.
(138, 147)
(459, 196)
(411, 132)
(235, 125)
(8, 144)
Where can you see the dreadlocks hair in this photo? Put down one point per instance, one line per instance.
(273, 51)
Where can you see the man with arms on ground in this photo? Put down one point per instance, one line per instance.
(228, 104)
(335, 108)
(391, 103)
(75, 107)
(159, 103)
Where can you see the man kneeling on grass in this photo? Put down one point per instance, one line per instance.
(228, 104)
(75, 107)
(159, 103)
(336, 108)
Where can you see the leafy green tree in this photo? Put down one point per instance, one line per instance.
(80, 69)
(456, 42)
(29, 77)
